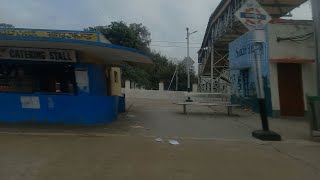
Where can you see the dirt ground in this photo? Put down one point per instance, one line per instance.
(212, 146)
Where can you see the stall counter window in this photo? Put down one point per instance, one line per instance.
(37, 78)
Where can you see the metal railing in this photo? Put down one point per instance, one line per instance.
(223, 88)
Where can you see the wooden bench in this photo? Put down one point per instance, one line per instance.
(208, 99)
(228, 105)
(200, 96)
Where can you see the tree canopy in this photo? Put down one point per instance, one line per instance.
(134, 35)
(138, 36)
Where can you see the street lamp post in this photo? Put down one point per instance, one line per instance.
(188, 62)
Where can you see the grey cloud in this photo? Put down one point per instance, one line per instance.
(166, 19)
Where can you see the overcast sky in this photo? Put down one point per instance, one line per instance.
(166, 19)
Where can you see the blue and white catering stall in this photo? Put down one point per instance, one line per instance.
(61, 77)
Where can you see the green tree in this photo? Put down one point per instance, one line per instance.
(138, 36)
(133, 35)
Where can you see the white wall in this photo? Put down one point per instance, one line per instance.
(308, 79)
(288, 49)
(154, 94)
(273, 77)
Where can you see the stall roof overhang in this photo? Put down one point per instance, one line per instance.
(103, 52)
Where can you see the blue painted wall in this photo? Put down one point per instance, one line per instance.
(59, 109)
(241, 65)
(240, 52)
(87, 109)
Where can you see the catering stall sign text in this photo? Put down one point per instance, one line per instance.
(33, 54)
(73, 35)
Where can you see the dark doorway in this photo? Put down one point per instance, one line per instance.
(290, 89)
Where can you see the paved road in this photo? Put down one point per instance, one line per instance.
(134, 157)
(162, 118)
(212, 146)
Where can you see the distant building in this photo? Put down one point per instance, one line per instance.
(288, 68)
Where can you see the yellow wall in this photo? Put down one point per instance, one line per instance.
(115, 80)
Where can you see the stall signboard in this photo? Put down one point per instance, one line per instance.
(34, 54)
(71, 35)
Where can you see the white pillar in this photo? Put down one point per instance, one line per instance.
(259, 36)
(195, 88)
(127, 84)
(161, 86)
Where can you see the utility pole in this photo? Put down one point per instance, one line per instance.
(188, 62)
(316, 20)
(177, 78)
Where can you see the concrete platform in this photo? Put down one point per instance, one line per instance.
(212, 146)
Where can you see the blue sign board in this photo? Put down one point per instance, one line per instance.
(240, 52)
